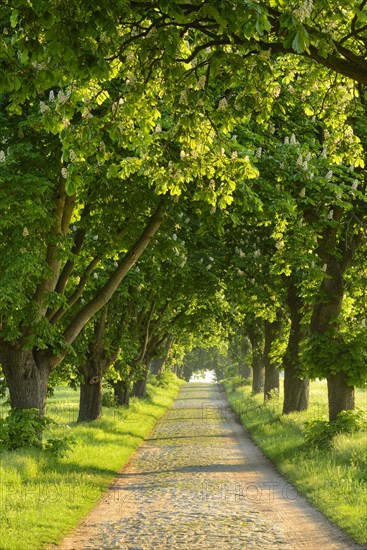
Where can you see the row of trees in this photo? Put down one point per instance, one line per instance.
(171, 167)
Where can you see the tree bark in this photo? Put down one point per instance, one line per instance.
(340, 395)
(296, 389)
(140, 387)
(156, 365)
(338, 253)
(256, 338)
(121, 390)
(93, 370)
(271, 381)
(26, 376)
(90, 404)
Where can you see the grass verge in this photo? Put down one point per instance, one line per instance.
(43, 498)
(334, 480)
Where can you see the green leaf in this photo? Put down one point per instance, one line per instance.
(70, 187)
(301, 41)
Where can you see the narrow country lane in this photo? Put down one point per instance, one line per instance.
(200, 482)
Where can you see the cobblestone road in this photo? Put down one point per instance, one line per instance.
(199, 482)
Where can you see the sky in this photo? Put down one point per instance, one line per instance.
(209, 377)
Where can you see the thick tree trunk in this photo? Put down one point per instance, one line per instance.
(140, 387)
(156, 365)
(271, 381)
(296, 390)
(90, 404)
(26, 376)
(121, 390)
(341, 396)
(324, 317)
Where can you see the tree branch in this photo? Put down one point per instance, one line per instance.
(106, 293)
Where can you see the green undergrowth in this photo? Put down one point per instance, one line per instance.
(332, 475)
(43, 497)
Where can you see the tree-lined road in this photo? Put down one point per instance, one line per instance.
(200, 482)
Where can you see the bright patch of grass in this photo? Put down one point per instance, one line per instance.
(333, 480)
(42, 498)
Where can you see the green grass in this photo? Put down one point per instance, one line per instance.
(42, 498)
(333, 480)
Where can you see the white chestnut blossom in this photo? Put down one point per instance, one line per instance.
(324, 268)
(86, 114)
(72, 155)
(25, 232)
(51, 96)
(223, 104)
(44, 108)
(303, 192)
(304, 11)
(330, 215)
(2, 156)
(202, 82)
(63, 97)
(329, 175)
(64, 172)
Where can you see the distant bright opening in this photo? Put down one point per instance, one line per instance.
(207, 376)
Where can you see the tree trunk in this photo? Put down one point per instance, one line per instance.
(296, 390)
(140, 387)
(121, 390)
(341, 396)
(90, 404)
(156, 365)
(271, 382)
(324, 318)
(26, 376)
(256, 339)
(244, 369)
(257, 374)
